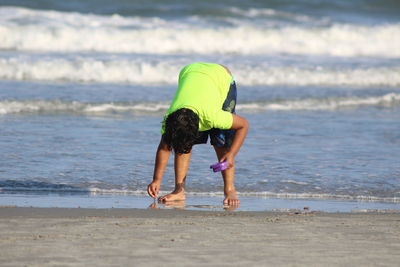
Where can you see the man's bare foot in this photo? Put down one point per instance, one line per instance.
(231, 199)
(176, 195)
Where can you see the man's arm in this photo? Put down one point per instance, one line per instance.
(241, 126)
(160, 164)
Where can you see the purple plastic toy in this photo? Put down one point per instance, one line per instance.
(219, 166)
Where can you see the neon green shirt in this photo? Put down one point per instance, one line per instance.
(203, 88)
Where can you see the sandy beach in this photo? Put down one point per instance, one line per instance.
(139, 237)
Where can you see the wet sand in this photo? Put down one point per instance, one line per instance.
(138, 237)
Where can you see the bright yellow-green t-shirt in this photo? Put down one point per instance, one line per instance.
(203, 88)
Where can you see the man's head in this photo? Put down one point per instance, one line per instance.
(181, 130)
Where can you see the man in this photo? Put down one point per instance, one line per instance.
(204, 105)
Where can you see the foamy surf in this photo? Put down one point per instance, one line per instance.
(110, 108)
(35, 30)
(75, 107)
(264, 194)
(146, 71)
(388, 100)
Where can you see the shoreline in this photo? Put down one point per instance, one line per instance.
(202, 203)
(171, 237)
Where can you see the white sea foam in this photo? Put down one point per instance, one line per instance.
(310, 76)
(32, 30)
(81, 69)
(264, 194)
(57, 106)
(276, 15)
(388, 100)
(165, 71)
(294, 182)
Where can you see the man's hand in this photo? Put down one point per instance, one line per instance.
(230, 158)
(161, 161)
(153, 188)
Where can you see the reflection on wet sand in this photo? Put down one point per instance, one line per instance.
(182, 205)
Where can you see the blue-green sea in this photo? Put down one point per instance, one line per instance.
(84, 85)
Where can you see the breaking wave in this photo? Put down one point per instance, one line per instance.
(81, 108)
(151, 72)
(387, 100)
(61, 188)
(34, 30)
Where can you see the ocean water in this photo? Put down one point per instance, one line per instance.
(84, 85)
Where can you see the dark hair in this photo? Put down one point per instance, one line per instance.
(181, 130)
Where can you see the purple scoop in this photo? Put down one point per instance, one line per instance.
(219, 166)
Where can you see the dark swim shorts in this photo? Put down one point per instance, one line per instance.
(218, 137)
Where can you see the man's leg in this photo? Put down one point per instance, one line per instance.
(181, 166)
(228, 176)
